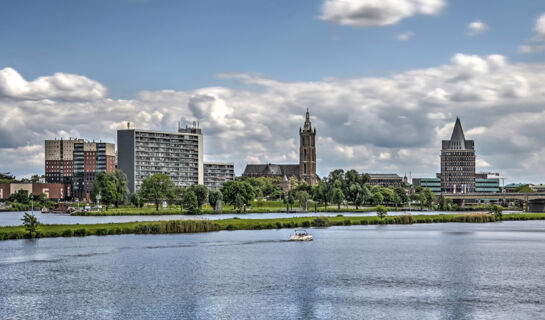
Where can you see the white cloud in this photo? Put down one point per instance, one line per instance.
(539, 38)
(476, 27)
(59, 86)
(377, 12)
(374, 124)
(405, 36)
(540, 27)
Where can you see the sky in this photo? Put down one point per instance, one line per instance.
(384, 79)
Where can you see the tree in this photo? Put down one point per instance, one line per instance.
(524, 189)
(30, 222)
(396, 200)
(237, 193)
(122, 187)
(381, 211)
(190, 202)
(402, 194)
(35, 178)
(377, 198)
(105, 185)
(156, 188)
(303, 199)
(338, 197)
(496, 210)
(289, 199)
(21, 196)
(214, 197)
(428, 197)
(178, 196)
(201, 192)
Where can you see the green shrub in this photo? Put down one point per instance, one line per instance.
(101, 232)
(305, 224)
(278, 225)
(269, 226)
(320, 222)
(364, 222)
(80, 232)
(230, 227)
(347, 222)
(67, 233)
(258, 227)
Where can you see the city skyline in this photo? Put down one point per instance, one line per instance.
(373, 116)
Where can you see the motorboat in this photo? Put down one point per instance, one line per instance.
(301, 235)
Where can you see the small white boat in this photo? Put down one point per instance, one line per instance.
(301, 235)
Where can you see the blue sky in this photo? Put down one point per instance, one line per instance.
(148, 45)
(384, 80)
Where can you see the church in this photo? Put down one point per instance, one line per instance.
(304, 171)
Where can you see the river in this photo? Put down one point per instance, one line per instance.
(14, 218)
(422, 271)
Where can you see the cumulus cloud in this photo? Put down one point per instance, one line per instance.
(538, 42)
(540, 27)
(373, 124)
(405, 36)
(376, 12)
(476, 27)
(59, 86)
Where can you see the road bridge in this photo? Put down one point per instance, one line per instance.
(535, 201)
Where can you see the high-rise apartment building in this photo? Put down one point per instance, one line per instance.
(75, 163)
(216, 173)
(458, 162)
(143, 153)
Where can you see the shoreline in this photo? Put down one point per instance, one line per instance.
(192, 226)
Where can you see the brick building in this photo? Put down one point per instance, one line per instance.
(75, 163)
(458, 162)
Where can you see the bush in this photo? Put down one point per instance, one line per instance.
(67, 233)
(80, 232)
(320, 222)
(101, 232)
(269, 226)
(364, 222)
(305, 224)
(230, 227)
(347, 222)
(278, 225)
(404, 219)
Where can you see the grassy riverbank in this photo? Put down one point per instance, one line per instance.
(190, 226)
(150, 211)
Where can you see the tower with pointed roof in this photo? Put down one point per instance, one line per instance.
(458, 162)
(307, 152)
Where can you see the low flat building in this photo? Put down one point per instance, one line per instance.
(385, 180)
(53, 191)
(434, 184)
(217, 173)
(483, 183)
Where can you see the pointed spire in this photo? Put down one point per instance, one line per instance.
(458, 132)
(308, 125)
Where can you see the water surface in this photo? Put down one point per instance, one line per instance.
(424, 271)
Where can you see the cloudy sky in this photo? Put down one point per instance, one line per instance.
(384, 79)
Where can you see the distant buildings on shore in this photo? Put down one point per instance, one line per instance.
(76, 162)
(304, 171)
(143, 153)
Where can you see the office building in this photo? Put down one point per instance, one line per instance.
(434, 184)
(458, 162)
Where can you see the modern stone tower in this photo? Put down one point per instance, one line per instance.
(458, 162)
(307, 152)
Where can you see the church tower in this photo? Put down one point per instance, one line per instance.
(307, 152)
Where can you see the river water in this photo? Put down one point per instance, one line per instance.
(14, 218)
(423, 271)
